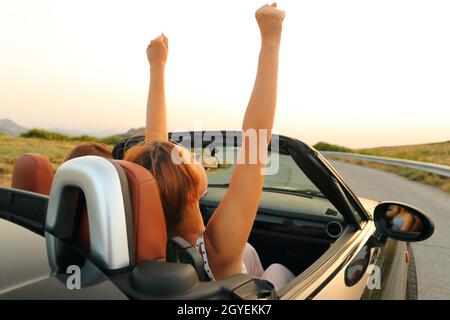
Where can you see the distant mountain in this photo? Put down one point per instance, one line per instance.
(77, 133)
(133, 132)
(10, 127)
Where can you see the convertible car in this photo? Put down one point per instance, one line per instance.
(95, 229)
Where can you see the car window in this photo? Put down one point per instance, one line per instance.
(287, 178)
(354, 207)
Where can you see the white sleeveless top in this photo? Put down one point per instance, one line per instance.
(200, 246)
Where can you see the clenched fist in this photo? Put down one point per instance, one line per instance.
(157, 51)
(270, 21)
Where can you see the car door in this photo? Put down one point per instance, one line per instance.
(361, 264)
(326, 278)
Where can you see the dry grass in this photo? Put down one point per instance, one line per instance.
(12, 147)
(5, 180)
(438, 153)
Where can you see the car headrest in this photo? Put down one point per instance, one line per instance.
(104, 184)
(149, 226)
(148, 217)
(33, 172)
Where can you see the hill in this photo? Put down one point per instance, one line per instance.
(133, 132)
(8, 126)
(438, 153)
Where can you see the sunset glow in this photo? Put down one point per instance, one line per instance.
(354, 73)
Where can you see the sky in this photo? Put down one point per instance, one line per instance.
(355, 73)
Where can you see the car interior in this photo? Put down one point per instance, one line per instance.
(295, 225)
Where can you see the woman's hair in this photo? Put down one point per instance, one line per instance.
(89, 149)
(176, 182)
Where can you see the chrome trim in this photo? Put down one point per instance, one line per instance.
(99, 180)
(341, 228)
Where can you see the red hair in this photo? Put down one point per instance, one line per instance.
(89, 149)
(177, 183)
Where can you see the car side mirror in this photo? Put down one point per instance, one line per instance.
(402, 222)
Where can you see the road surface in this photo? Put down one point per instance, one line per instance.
(432, 255)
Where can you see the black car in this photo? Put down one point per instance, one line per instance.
(339, 246)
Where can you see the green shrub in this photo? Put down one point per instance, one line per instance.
(55, 136)
(44, 134)
(324, 146)
(85, 138)
(111, 139)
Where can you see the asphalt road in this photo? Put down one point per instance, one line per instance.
(432, 255)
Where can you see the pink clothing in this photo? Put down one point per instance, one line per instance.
(276, 273)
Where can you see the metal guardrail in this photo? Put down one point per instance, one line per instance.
(424, 166)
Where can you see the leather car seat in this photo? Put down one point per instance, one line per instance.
(33, 172)
(148, 217)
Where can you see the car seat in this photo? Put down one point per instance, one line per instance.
(127, 235)
(149, 226)
(32, 172)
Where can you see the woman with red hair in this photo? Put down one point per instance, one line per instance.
(223, 242)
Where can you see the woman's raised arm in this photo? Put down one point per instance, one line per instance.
(260, 111)
(156, 124)
(229, 228)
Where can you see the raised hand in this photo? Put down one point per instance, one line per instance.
(156, 125)
(270, 21)
(157, 51)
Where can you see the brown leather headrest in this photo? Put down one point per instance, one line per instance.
(148, 217)
(33, 172)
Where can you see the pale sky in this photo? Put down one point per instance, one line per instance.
(356, 73)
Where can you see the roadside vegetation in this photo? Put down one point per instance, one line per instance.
(55, 136)
(324, 146)
(438, 153)
(440, 182)
(12, 147)
(55, 146)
